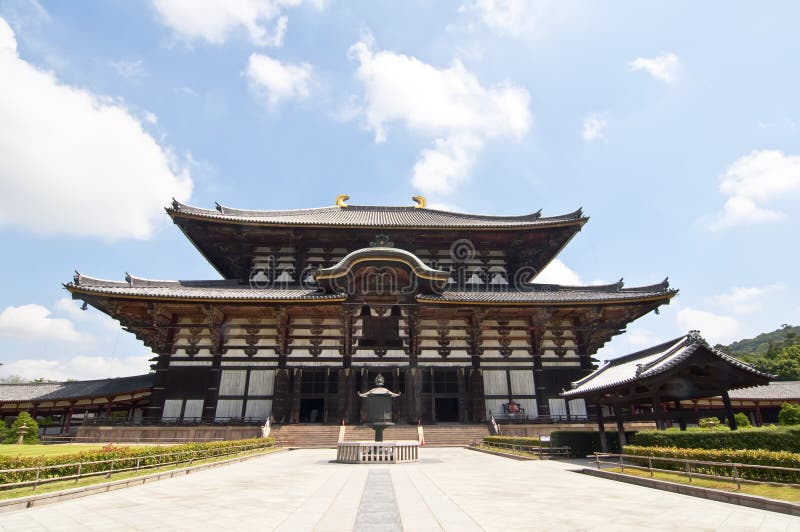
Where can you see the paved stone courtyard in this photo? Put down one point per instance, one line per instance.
(449, 489)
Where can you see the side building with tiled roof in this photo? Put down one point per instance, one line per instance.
(314, 303)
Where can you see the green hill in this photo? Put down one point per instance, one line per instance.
(786, 335)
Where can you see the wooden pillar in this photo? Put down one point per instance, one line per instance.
(396, 389)
(294, 416)
(69, 417)
(601, 428)
(726, 400)
(462, 395)
(280, 402)
(344, 392)
(478, 413)
(658, 412)
(108, 408)
(413, 390)
(759, 419)
(620, 425)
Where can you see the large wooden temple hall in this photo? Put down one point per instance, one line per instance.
(314, 303)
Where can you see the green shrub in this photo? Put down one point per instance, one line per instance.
(532, 441)
(712, 423)
(31, 434)
(3, 430)
(128, 457)
(764, 438)
(743, 456)
(585, 442)
(742, 421)
(789, 414)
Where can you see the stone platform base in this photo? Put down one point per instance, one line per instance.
(371, 452)
(163, 434)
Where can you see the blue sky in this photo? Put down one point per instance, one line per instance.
(675, 125)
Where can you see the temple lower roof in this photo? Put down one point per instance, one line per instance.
(375, 217)
(56, 391)
(232, 290)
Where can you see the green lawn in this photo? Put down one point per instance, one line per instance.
(505, 450)
(46, 450)
(771, 491)
(98, 479)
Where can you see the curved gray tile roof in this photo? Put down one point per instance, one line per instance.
(374, 216)
(648, 363)
(234, 290)
(774, 391)
(56, 391)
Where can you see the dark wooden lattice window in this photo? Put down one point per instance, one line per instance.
(381, 332)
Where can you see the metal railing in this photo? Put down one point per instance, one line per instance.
(63, 438)
(41, 474)
(538, 450)
(691, 469)
(521, 417)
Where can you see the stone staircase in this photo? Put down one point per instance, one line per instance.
(456, 435)
(321, 436)
(306, 436)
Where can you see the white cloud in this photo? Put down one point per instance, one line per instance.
(79, 367)
(34, 322)
(517, 18)
(665, 67)
(442, 168)
(714, 327)
(743, 299)
(558, 273)
(131, 69)
(593, 126)
(76, 163)
(214, 20)
(641, 338)
(275, 81)
(449, 106)
(754, 181)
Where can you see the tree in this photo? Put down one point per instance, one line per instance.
(708, 422)
(789, 414)
(785, 363)
(742, 420)
(3, 430)
(32, 433)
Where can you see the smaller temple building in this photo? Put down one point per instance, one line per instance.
(665, 382)
(122, 400)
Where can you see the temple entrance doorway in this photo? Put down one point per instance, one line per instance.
(446, 409)
(312, 410)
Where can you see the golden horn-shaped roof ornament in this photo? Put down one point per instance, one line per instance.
(421, 203)
(340, 200)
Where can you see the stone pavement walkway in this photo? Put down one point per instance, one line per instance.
(449, 489)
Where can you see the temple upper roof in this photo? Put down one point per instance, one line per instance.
(374, 216)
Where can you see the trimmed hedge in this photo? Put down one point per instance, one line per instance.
(129, 455)
(533, 441)
(764, 438)
(585, 442)
(742, 456)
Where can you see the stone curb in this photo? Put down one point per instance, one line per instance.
(751, 501)
(21, 503)
(504, 455)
